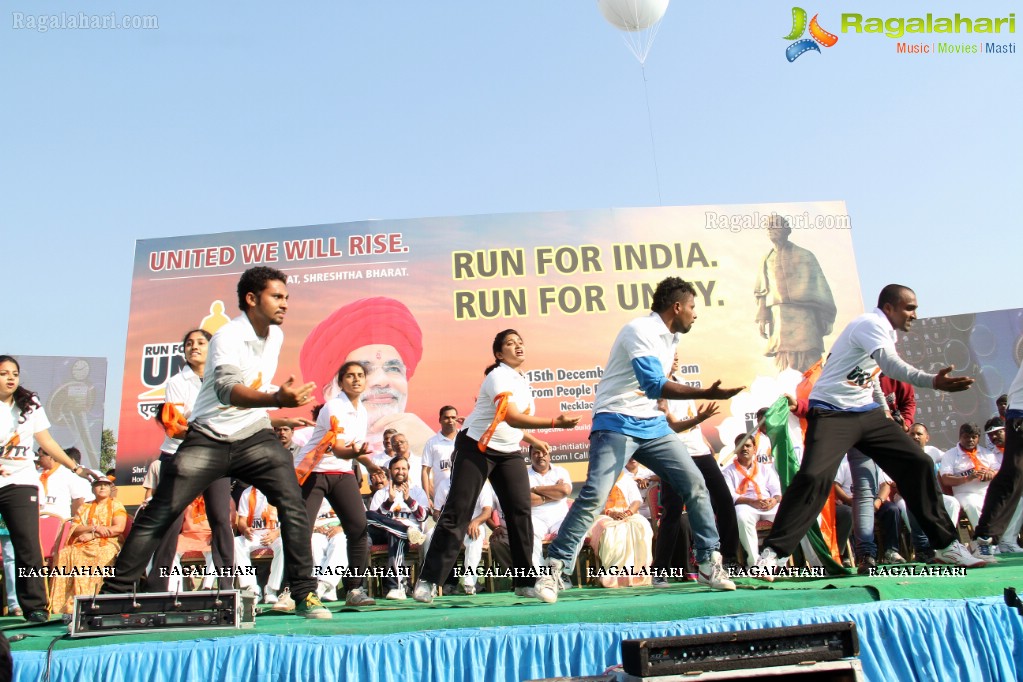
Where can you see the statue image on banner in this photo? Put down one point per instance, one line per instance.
(795, 308)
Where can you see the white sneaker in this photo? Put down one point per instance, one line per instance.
(285, 603)
(766, 565)
(325, 591)
(527, 592)
(397, 594)
(415, 536)
(984, 550)
(712, 574)
(469, 588)
(549, 584)
(424, 592)
(1009, 548)
(958, 554)
(270, 597)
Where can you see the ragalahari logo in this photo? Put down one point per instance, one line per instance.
(817, 35)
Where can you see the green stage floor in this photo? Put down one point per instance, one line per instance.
(579, 605)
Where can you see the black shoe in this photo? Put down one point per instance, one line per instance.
(38, 616)
(864, 564)
(450, 588)
(659, 581)
(925, 556)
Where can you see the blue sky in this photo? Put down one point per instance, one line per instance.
(244, 115)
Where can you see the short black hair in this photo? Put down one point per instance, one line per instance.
(74, 453)
(254, 281)
(994, 423)
(395, 460)
(669, 291)
(969, 429)
(445, 409)
(739, 438)
(892, 293)
(922, 426)
(1002, 399)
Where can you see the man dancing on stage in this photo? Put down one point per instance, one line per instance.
(230, 435)
(844, 415)
(627, 423)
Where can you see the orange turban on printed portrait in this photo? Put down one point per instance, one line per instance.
(368, 321)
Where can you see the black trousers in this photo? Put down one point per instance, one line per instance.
(19, 507)
(829, 435)
(669, 530)
(218, 510)
(470, 469)
(200, 461)
(1004, 491)
(342, 491)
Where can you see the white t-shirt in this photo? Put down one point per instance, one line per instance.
(352, 422)
(236, 345)
(693, 438)
(934, 453)
(301, 436)
(437, 455)
(182, 389)
(555, 509)
(17, 454)
(57, 491)
(765, 477)
(618, 391)
(503, 383)
(846, 383)
(844, 476)
(955, 462)
(398, 510)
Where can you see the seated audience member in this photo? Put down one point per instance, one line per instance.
(621, 538)
(475, 534)
(549, 487)
(437, 453)
(286, 435)
(756, 492)
(968, 469)
(94, 543)
(383, 459)
(195, 536)
(257, 526)
(330, 554)
(60, 491)
(10, 571)
(888, 516)
(644, 479)
(396, 515)
(843, 509)
(378, 480)
(1009, 542)
(401, 448)
(921, 545)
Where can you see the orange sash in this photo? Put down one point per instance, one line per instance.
(174, 423)
(747, 479)
(199, 509)
(499, 414)
(43, 477)
(316, 455)
(616, 500)
(972, 454)
(268, 518)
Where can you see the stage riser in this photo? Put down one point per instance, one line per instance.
(905, 640)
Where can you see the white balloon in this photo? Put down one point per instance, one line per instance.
(633, 15)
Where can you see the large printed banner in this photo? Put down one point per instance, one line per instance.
(72, 391)
(986, 346)
(419, 301)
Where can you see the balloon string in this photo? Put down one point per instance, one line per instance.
(653, 146)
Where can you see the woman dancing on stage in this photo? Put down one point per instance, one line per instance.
(488, 446)
(22, 422)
